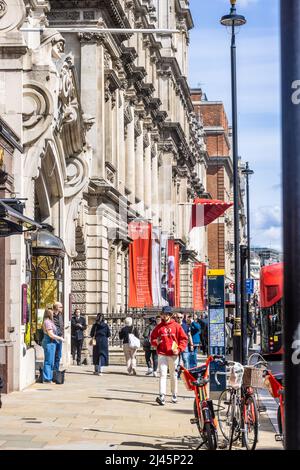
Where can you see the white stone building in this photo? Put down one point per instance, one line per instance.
(107, 134)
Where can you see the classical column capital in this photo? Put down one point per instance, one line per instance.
(91, 38)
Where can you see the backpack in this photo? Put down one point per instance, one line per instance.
(133, 341)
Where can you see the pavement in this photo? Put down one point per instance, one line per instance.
(109, 412)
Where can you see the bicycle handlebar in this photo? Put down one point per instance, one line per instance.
(219, 373)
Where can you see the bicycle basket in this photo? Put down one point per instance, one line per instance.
(236, 376)
(253, 377)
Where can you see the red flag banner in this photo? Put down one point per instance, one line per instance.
(205, 211)
(140, 265)
(177, 275)
(198, 287)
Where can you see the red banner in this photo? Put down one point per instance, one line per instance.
(199, 272)
(140, 265)
(177, 275)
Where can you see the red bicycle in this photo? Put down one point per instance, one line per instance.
(196, 379)
(274, 384)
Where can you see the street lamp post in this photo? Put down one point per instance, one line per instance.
(248, 172)
(234, 21)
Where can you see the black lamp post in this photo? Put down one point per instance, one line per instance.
(234, 21)
(248, 172)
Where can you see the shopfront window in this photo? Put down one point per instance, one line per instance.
(47, 278)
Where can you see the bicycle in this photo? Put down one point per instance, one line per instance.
(196, 379)
(274, 383)
(237, 409)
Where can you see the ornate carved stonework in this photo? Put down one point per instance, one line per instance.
(37, 111)
(3, 8)
(12, 14)
(91, 37)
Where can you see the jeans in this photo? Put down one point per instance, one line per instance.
(49, 347)
(129, 357)
(101, 363)
(193, 357)
(185, 357)
(151, 353)
(165, 362)
(58, 351)
(77, 347)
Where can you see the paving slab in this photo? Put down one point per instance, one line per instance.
(114, 411)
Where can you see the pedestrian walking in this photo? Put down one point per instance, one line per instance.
(195, 333)
(150, 351)
(129, 352)
(229, 335)
(78, 326)
(184, 356)
(50, 339)
(58, 320)
(204, 333)
(170, 340)
(100, 333)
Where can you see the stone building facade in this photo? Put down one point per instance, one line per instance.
(108, 132)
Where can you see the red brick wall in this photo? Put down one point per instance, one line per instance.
(216, 246)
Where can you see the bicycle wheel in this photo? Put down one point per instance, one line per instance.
(210, 436)
(226, 415)
(250, 423)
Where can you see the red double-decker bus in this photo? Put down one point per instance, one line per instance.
(271, 310)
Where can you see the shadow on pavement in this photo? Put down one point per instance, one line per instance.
(142, 392)
(168, 445)
(127, 400)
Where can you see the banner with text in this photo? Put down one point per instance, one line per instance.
(140, 265)
(158, 300)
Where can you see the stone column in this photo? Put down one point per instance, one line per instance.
(155, 201)
(121, 153)
(139, 169)
(130, 158)
(147, 180)
(93, 97)
(165, 191)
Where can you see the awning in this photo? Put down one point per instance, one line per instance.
(205, 211)
(12, 221)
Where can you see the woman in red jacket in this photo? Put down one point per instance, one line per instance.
(170, 340)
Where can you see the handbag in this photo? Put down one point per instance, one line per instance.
(59, 376)
(133, 341)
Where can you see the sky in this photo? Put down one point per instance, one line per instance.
(258, 52)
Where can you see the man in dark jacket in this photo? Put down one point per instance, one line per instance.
(58, 320)
(78, 325)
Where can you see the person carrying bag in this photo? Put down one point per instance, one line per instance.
(131, 343)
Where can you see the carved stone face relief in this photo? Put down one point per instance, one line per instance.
(12, 14)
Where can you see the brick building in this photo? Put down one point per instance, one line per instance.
(219, 182)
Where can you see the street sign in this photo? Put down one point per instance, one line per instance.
(216, 330)
(249, 286)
